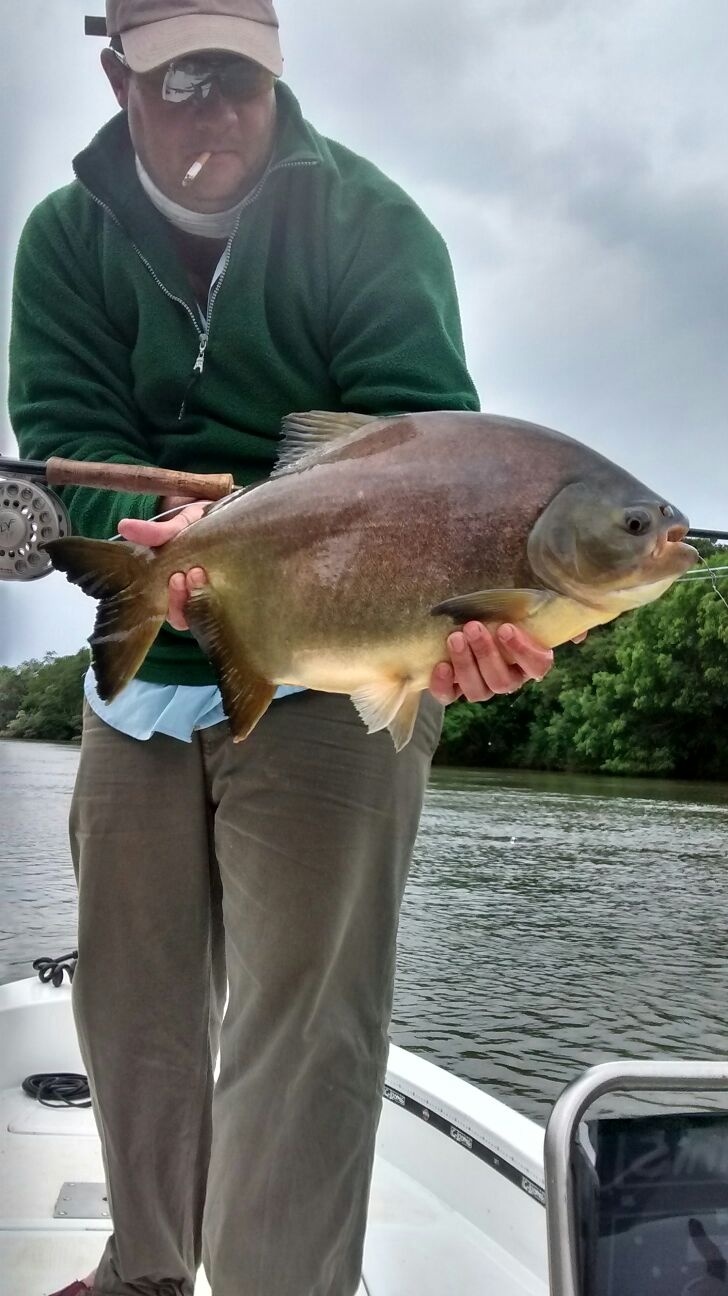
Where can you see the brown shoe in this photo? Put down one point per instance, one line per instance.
(78, 1288)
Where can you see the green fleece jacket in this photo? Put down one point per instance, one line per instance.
(337, 294)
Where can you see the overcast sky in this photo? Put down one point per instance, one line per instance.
(573, 154)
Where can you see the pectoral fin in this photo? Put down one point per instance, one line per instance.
(494, 605)
(246, 694)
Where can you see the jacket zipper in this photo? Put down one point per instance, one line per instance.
(248, 202)
(199, 364)
(202, 334)
(200, 361)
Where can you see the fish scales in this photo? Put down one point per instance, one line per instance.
(347, 571)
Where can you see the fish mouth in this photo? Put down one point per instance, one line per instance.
(671, 552)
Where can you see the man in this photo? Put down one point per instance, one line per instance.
(215, 265)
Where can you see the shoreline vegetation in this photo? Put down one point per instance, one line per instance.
(645, 695)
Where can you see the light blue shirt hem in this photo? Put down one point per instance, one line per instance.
(177, 710)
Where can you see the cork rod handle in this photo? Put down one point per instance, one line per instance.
(137, 478)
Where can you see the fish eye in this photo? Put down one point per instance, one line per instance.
(637, 521)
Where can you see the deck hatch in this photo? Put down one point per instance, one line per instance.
(82, 1201)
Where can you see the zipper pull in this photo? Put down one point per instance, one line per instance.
(196, 369)
(200, 361)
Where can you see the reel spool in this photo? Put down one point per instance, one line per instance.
(30, 515)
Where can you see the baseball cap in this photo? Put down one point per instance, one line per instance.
(154, 32)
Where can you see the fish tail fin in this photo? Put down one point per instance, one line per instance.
(132, 607)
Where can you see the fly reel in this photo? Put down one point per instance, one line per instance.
(30, 516)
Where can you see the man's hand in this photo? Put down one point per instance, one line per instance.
(484, 663)
(158, 533)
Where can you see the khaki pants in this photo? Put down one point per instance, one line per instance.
(277, 865)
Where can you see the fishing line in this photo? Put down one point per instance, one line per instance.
(695, 580)
(711, 574)
(706, 575)
(159, 517)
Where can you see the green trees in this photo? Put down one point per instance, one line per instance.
(43, 699)
(645, 695)
(663, 706)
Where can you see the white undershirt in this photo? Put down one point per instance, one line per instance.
(212, 225)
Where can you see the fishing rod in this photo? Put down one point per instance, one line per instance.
(695, 533)
(31, 514)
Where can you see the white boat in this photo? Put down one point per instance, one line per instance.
(457, 1199)
(635, 1206)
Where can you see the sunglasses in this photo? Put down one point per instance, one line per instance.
(191, 80)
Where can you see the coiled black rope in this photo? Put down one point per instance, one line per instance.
(49, 969)
(60, 1089)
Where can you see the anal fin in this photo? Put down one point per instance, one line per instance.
(246, 694)
(401, 726)
(388, 704)
(378, 703)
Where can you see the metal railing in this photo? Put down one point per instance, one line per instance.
(569, 1109)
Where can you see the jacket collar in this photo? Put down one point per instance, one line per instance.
(106, 167)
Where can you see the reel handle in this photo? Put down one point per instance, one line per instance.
(138, 478)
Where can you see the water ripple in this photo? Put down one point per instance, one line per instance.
(550, 922)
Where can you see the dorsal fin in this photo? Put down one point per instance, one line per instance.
(306, 436)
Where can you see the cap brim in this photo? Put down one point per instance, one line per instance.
(157, 43)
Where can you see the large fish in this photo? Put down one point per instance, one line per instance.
(348, 569)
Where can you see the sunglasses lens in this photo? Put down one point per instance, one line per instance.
(244, 80)
(235, 78)
(183, 82)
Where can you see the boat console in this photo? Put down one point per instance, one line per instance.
(638, 1206)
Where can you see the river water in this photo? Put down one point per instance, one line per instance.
(550, 922)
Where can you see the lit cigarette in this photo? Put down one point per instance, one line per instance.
(195, 169)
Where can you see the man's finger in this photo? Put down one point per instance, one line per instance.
(477, 664)
(523, 651)
(154, 534)
(151, 534)
(442, 684)
(180, 588)
(196, 577)
(177, 599)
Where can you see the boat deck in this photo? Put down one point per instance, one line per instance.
(409, 1231)
(442, 1222)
